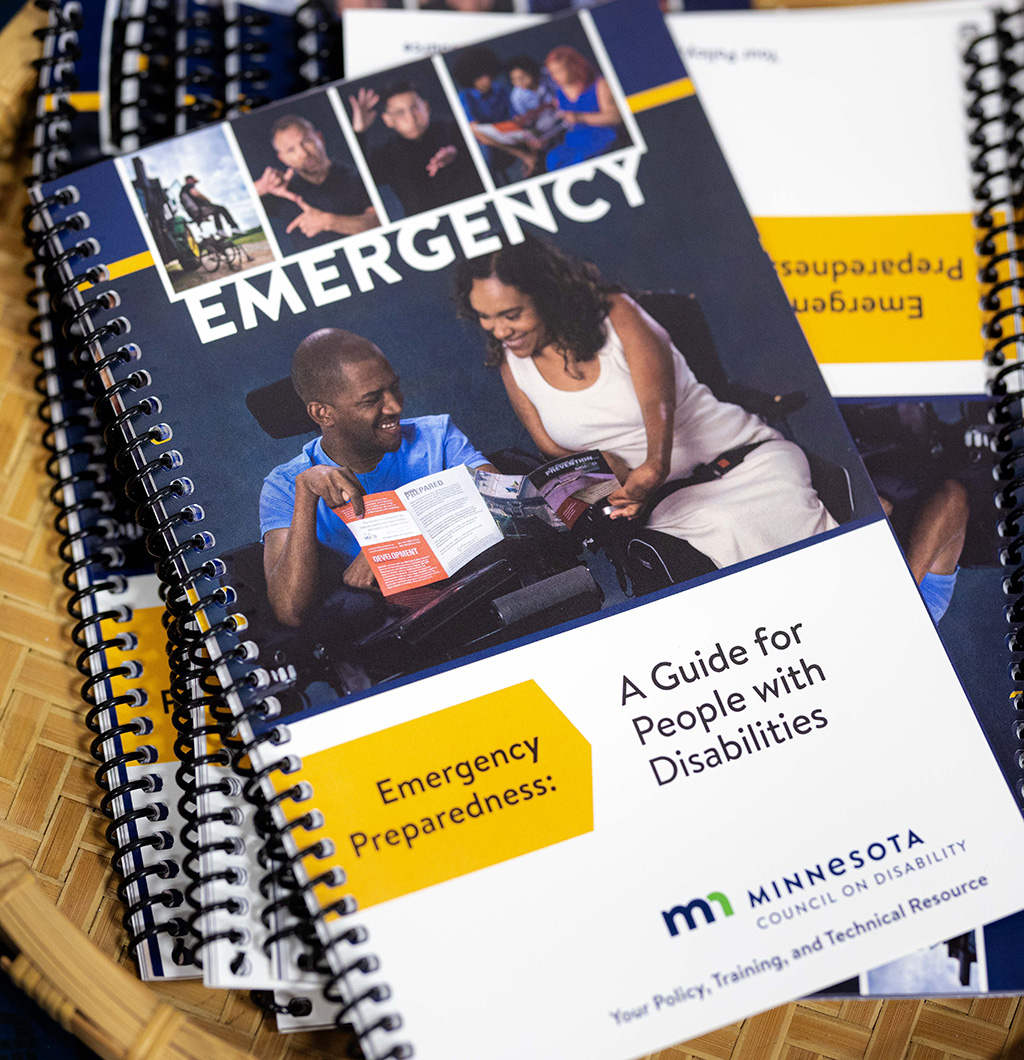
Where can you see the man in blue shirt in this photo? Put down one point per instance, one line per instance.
(352, 394)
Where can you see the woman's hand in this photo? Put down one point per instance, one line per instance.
(641, 483)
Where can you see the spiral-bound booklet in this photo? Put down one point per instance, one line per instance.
(111, 77)
(102, 77)
(875, 248)
(122, 73)
(680, 727)
(83, 96)
(118, 633)
(877, 251)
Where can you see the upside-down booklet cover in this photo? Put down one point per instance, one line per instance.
(609, 786)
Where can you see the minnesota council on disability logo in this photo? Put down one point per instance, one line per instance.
(897, 851)
(895, 857)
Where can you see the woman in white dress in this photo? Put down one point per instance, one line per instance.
(586, 368)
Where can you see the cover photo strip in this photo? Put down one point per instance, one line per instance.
(573, 695)
(876, 249)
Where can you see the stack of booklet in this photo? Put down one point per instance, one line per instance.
(539, 655)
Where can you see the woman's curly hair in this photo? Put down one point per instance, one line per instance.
(569, 295)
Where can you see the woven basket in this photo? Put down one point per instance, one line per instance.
(48, 814)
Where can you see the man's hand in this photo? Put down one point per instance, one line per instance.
(311, 222)
(443, 158)
(359, 574)
(274, 182)
(630, 497)
(335, 485)
(364, 109)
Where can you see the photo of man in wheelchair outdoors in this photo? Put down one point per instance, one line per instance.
(198, 212)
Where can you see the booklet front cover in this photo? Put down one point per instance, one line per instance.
(605, 788)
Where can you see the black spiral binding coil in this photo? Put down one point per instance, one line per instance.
(250, 84)
(199, 66)
(190, 703)
(91, 549)
(214, 679)
(53, 113)
(994, 60)
(320, 43)
(142, 100)
(245, 47)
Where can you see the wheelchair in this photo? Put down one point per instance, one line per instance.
(647, 561)
(218, 249)
(515, 588)
(179, 239)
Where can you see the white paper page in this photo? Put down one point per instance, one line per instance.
(847, 135)
(376, 39)
(836, 116)
(453, 515)
(460, 955)
(388, 526)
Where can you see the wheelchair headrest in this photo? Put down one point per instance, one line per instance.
(681, 316)
(279, 410)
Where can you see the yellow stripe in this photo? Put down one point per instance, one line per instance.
(83, 101)
(660, 95)
(135, 263)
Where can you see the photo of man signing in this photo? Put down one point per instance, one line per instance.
(315, 197)
(424, 157)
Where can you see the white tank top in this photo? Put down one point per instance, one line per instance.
(606, 415)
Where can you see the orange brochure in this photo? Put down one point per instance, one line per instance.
(422, 532)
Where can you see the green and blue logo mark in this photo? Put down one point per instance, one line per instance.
(687, 912)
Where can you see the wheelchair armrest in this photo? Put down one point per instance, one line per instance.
(435, 618)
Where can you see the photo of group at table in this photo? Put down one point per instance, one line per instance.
(533, 115)
(699, 479)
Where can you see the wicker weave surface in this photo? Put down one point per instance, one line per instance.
(48, 797)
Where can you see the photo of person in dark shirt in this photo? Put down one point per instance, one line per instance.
(316, 195)
(426, 161)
